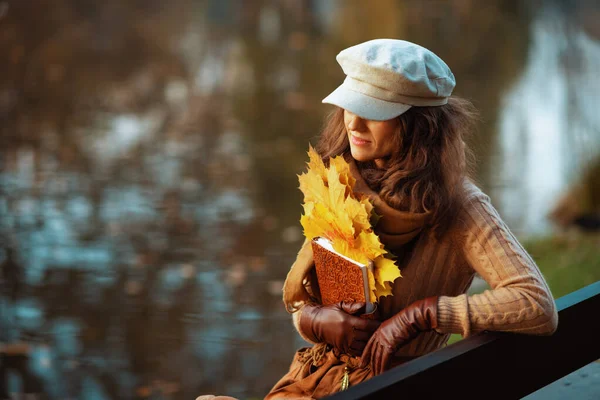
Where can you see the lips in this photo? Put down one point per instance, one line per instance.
(358, 142)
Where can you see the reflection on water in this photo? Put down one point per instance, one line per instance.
(149, 205)
(549, 122)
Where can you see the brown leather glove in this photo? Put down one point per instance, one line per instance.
(398, 330)
(338, 326)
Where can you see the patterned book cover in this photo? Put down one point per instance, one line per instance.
(340, 278)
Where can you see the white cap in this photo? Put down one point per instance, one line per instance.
(386, 77)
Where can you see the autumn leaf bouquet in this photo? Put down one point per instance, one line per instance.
(333, 211)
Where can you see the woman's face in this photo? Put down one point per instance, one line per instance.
(370, 140)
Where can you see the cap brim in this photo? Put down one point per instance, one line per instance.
(364, 106)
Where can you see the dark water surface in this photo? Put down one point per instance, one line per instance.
(149, 208)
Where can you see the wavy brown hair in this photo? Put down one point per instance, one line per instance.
(426, 172)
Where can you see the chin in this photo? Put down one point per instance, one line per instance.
(360, 155)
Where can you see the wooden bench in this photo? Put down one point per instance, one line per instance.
(497, 365)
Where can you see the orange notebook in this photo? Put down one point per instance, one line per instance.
(340, 278)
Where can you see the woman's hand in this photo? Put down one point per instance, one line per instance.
(338, 325)
(397, 331)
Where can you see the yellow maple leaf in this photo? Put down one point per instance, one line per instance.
(340, 225)
(347, 248)
(386, 272)
(372, 284)
(313, 187)
(315, 163)
(343, 169)
(337, 189)
(315, 227)
(382, 291)
(365, 202)
(369, 243)
(358, 214)
(333, 211)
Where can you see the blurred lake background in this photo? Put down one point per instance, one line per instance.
(149, 203)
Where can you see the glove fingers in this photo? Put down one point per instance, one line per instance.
(377, 359)
(356, 348)
(366, 355)
(353, 308)
(354, 353)
(386, 357)
(367, 325)
(362, 336)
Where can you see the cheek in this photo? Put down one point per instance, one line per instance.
(346, 128)
(385, 137)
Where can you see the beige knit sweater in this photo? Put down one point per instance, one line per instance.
(479, 242)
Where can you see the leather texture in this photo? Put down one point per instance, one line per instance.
(338, 325)
(398, 330)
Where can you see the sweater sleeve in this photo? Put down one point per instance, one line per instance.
(519, 299)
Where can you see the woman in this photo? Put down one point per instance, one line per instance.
(402, 133)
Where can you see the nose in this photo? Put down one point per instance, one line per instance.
(356, 123)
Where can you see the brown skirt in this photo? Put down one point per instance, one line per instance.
(317, 372)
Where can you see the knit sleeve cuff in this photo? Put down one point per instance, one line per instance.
(453, 315)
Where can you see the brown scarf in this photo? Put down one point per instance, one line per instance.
(395, 228)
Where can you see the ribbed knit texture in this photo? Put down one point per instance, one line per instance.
(479, 242)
